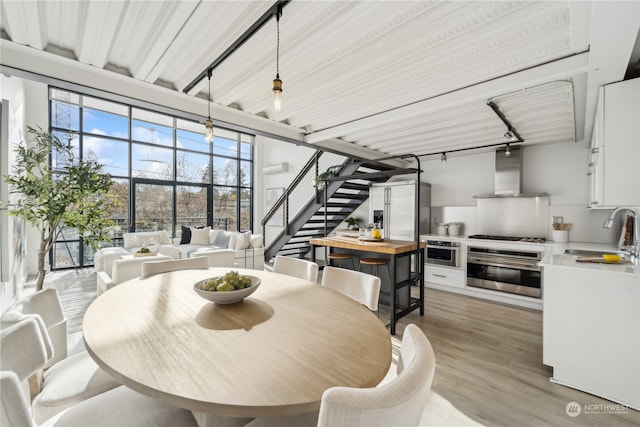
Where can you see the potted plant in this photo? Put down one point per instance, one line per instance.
(72, 193)
(319, 182)
(353, 222)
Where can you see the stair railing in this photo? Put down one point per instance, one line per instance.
(300, 186)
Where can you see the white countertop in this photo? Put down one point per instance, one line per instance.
(557, 258)
(554, 255)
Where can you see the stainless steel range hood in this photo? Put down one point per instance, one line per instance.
(508, 178)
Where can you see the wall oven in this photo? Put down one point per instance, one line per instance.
(512, 271)
(441, 252)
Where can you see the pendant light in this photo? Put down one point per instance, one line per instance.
(277, 83)
(443, 157)
(209, 123)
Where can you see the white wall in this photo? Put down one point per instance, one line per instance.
(557, 169)
(271, 152)
(28, 105)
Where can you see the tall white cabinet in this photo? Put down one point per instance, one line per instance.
(614, 174)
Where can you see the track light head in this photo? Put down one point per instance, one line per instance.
(509, 135)
(443, 157)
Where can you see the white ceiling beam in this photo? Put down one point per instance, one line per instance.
(19, 18)
(57, 67)
(614, 29)
(180, 14)
(351, 149)
(101, 24)
(556, 70)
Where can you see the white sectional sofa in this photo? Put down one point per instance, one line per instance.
(248, 248)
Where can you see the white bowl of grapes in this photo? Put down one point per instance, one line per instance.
(228, 289)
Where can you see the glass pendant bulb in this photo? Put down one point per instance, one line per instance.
(209, 135)
(277, 91)
(208, 124)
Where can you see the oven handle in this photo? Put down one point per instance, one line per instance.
(502, 262)
(449, 248)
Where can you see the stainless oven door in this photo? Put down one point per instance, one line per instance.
(442, 255)
(505, 271)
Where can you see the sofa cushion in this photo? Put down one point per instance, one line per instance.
(222, 239)
(256, 241)
(132, 240)
(212, 235)
(243, 241)
(200, 236)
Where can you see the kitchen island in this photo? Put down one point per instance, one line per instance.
(591, 325)
(404, 271)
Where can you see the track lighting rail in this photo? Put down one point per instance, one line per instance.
(273, 11)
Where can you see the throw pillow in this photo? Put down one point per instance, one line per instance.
(256, 241)
(243, 241)
(222, 240)
(233, 238)
(144, 237)
(185, 236)
(213, 234)
(200, 236)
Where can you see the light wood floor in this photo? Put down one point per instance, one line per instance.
(489, 361)
(489, 365)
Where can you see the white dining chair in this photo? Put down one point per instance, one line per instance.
(296, 267)
(117, 407)
(399, 402)
(362, 287)
(217, 257)
(156, 267)
(65, 379)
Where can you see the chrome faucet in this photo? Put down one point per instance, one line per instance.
(608, 223)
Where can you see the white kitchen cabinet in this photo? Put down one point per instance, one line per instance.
(447, 276)
(614, 175)
(591, 331)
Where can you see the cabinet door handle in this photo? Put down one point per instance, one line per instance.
(594, 150)
(594, 203)
(591, 164)
(440, 275)
(589, 174)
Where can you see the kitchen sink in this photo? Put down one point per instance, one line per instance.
(586, 252)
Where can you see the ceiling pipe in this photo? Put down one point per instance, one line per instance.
(441, 153)
(273, 11)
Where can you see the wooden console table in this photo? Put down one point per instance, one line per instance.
(398, 252)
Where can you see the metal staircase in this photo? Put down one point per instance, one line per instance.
(316, 218)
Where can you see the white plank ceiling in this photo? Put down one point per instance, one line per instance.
(391, 76)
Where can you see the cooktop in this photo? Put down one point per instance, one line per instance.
(509, 238)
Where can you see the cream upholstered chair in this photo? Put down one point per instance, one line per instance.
(217, 257)
(398, 403)
(46, 303)
(296, 267)
(117, 407)
(156, 267)
(124, 269)
(359, 286)
(69, 380)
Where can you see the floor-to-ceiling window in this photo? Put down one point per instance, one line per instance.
(165, 174)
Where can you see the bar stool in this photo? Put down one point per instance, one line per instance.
(375, 263)
(341, 258)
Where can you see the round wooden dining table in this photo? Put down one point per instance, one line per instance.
(272, 354)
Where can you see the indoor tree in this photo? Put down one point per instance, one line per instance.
(63, 193)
